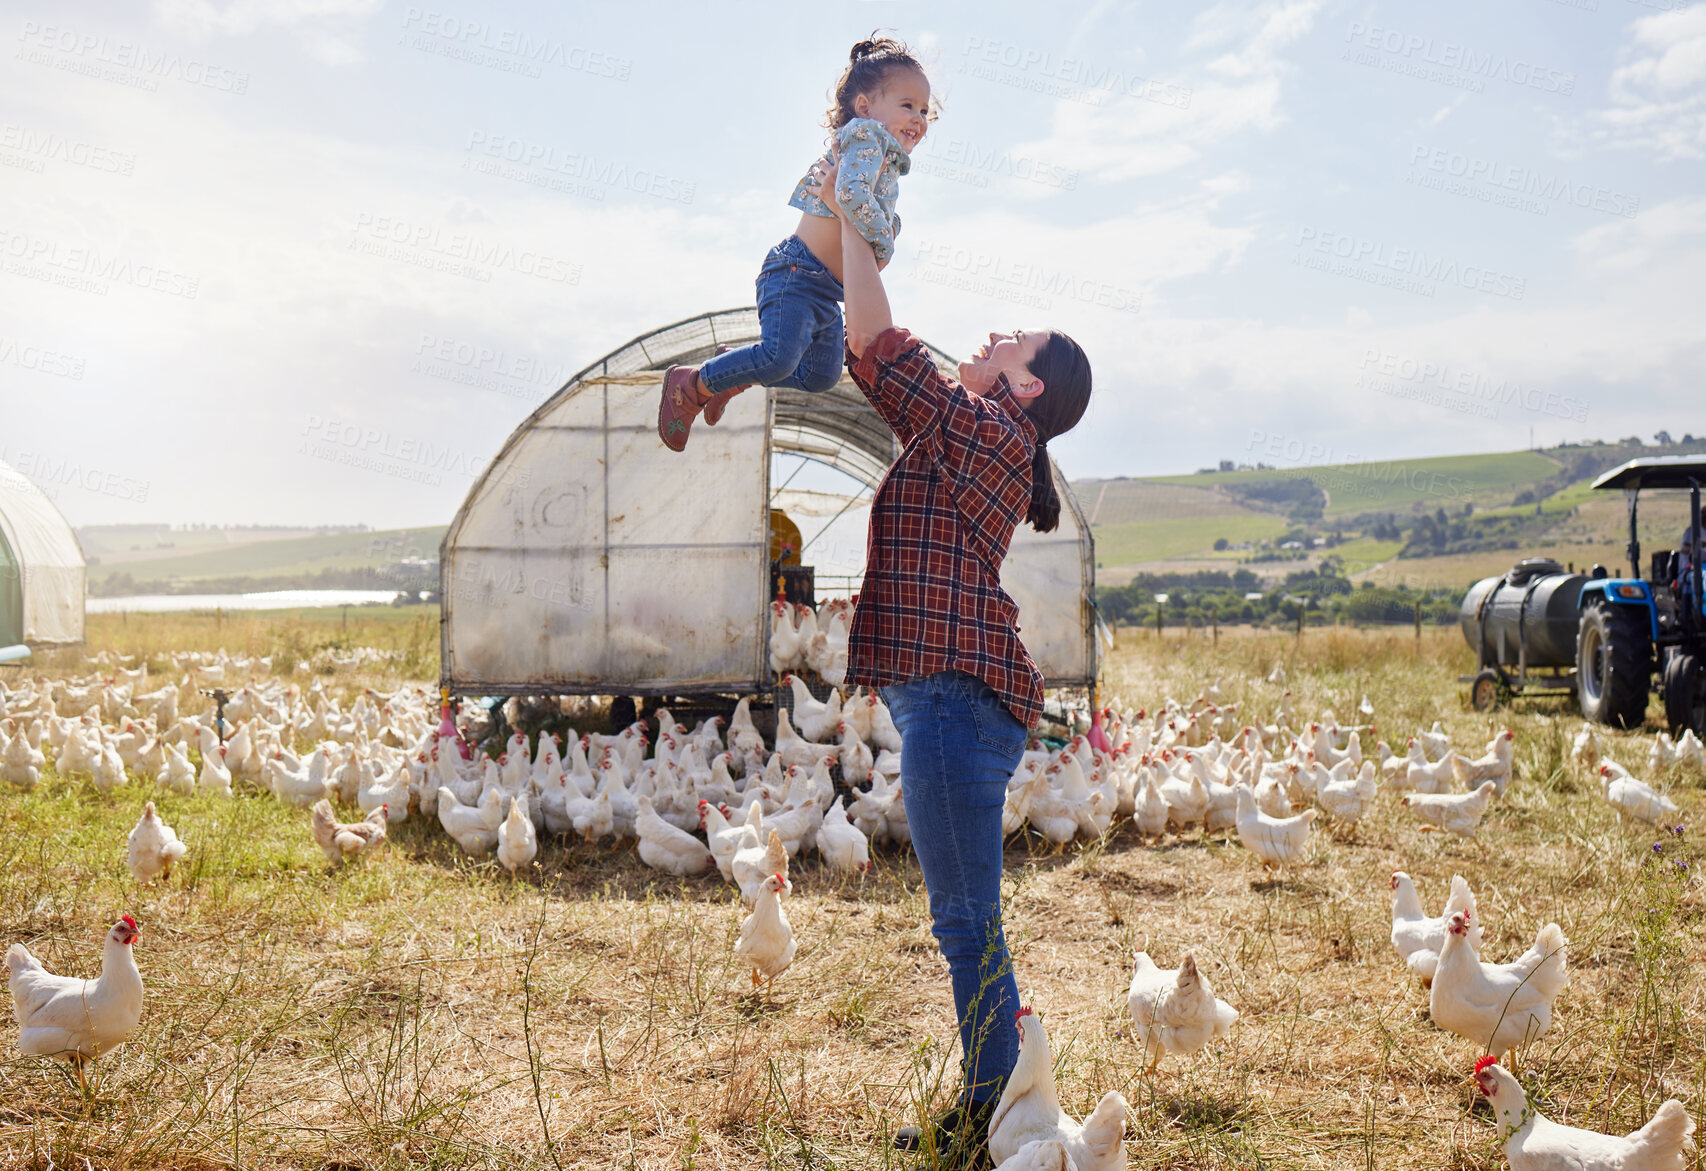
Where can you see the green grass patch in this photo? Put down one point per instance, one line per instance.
(1152, 540)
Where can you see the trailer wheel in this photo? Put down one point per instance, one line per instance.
(1484, 691)
(1614, 665)
(1685, 695)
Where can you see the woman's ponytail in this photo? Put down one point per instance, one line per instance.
(1064, 369)
(1044, 512)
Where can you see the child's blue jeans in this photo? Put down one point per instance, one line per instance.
(959, 747)
(799, 318)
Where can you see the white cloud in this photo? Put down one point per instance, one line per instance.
(1653, 236)
(1138, 135)
(324, 28)
(1658, 91)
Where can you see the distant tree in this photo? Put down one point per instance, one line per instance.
(1661, 439)
(1220, 544)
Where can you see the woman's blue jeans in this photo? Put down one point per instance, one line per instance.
(959, 747)
(801, 342)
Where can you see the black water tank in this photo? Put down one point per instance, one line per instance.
(1535, 593)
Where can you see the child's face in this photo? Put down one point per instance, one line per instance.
(902, 105)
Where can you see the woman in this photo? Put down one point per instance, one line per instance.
(935, 631)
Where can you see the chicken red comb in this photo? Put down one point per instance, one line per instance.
(1484, 1063)
(781, 880)
(129, 922)
(1023, 1012)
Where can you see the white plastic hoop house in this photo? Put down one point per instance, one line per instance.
(589, 559)
(41, 568)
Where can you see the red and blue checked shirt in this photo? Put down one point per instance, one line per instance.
(940, 526)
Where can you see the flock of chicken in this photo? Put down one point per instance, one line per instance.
(759, 804)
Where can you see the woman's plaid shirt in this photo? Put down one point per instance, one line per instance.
(940, 526)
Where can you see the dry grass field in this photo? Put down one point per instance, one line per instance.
(422, 1011)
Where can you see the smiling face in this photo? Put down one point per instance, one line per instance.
(901, 104)
(1005, 353)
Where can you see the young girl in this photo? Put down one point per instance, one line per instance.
(937, 634)
(881, 111)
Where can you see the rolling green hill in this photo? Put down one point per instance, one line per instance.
(1428, 521)
(272, 560)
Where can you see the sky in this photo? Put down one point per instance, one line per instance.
(312, 261)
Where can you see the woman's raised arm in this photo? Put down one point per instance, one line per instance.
(867, 302)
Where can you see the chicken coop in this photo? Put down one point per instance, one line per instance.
(588, 559)
(41, 568)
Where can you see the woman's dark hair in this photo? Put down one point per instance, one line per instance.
(868, 67)
(1065, 372)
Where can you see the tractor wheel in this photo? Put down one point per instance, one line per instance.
(1685, 694)
(1614, 665)
(1484, 691)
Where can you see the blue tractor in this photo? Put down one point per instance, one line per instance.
(1605, 639)
(1633, 628)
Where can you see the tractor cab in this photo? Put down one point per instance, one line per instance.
(1635, 628)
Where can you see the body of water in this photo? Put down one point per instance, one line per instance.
(270, 600)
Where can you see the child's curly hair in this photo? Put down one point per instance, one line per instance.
(868, 67)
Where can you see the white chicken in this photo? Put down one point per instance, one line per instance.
(1635, 798)
(78, 1020)
(1497, 1006)
(20, 764)
(518, 840)
(1424, 777)
(1275, 840)
(667, 848)
(1495, 766)
(1174, 1010)
(766, 937)
(1346, 801)
(340, 841)
(153, 847)
(474, 827)
(1584, 750)
(815, 719)
(1534, 1142)
(1456, 813)
(179, 774)
(1418, 938)
(785, 648)
(753, 863)
(839, 841)
(1029, 1110)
